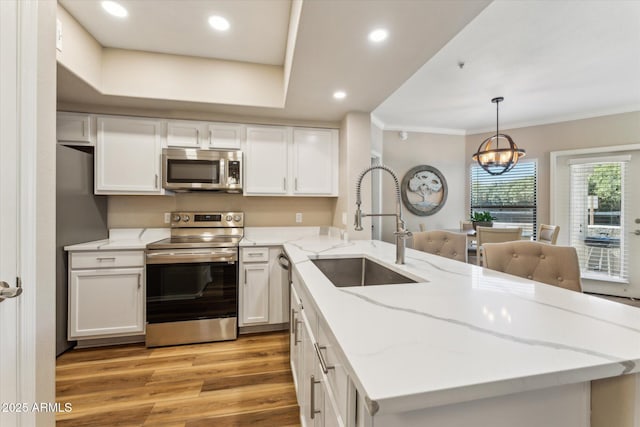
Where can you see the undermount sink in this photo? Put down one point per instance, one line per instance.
(344, 272)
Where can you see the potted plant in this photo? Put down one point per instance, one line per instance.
(483, 219)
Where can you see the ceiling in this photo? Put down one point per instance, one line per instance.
(551, 60)
(258, 30)
(331, 50)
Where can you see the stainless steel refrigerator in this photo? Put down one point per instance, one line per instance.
(80, 217)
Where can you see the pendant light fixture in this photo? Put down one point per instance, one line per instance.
(498, 153)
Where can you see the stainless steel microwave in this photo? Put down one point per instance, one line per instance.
(185, 169)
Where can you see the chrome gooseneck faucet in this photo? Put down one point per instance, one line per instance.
(401, 232)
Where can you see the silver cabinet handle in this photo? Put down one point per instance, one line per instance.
(156, 182)
(284, 183)
(323, 363)
(139, 280)
(106, 258)
(292, 316)
(255, 254)
(312, 408)
(7, 291)
(296, 184)
(245, 276)
(197, 136)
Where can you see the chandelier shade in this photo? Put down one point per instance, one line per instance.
(498, 153)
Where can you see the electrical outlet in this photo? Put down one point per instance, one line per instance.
(299, 217)
(167, 217)
(344, 218)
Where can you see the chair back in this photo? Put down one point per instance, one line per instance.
(495, 235)
(443, 243)
(548, 233)
(542, 262)
(466, 226)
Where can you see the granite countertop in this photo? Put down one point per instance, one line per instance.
(122, 239)
(463, 332)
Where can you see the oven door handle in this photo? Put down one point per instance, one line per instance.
(190, 257)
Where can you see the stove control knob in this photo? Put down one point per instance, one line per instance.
(186, 218)
(175, 218)
(237, 218)
(228, 218)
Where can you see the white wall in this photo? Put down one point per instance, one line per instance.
(444, 152)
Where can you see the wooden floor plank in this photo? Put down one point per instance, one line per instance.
(276, 377)
(231, 383)
(280, 417)
(128, 417)
(224, 402)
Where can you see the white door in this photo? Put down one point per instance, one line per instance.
(313, 159)
(18, 361)
(255, 294)
(267, 162)
(602, 230)
(128, 154)
(9, 308)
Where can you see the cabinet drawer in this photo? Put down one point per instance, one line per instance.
(255, 255)
(107, 259)
(336, 374)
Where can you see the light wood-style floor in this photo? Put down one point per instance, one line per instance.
(233, 383)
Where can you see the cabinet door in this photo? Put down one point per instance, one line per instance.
(128, 156)
(225, 136)
(255, 294)
(107, 302)
(315, 161)
(267, 164)
(185, 134)
(74, 128)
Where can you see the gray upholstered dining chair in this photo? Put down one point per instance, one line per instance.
(443, 243)
(548, 233)
(542, 262)
(494, 235)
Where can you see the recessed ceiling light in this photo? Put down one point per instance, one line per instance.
(219, 23)
(114, 8)
(339, 94)
(378, 35)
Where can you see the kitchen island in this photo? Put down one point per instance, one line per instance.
(464, 346)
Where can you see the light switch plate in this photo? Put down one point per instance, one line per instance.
(344, 218)
(299, 217)
(58, 35)
(167, 217)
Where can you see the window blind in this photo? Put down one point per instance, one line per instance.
(598, 219)
(511, 197)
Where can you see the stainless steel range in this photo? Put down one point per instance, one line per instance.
(192, 279)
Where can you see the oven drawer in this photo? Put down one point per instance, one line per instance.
(255, 254)
(106, 259)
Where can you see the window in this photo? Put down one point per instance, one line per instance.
(510, 197)
(597, 217)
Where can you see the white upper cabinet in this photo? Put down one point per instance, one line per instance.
(315, 162)
(185, 134)
(225, 136)
(204, 135)
(267, 160)
(128, 152)
(75, 128)
(291, 161)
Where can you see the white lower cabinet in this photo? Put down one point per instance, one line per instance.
(105, 300)
(264, 291)
(325, 394)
